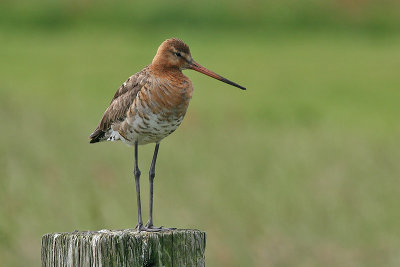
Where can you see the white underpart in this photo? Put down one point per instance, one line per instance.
(113, 136)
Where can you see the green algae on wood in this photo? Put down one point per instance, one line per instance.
(175, 248)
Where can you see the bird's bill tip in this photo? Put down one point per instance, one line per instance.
(197, 67)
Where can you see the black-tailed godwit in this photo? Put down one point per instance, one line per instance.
(149, 106)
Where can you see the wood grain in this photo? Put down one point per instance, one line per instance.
(124, 248)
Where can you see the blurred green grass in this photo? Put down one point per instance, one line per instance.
(299, 170)
(369, 16)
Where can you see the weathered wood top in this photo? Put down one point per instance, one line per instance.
(182, 247)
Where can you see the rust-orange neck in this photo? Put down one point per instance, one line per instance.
(163, 70)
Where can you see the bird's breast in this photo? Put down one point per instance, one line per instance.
(157, 110)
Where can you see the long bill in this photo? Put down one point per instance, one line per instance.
(197, 67)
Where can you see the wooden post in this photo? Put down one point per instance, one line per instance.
(177, 248)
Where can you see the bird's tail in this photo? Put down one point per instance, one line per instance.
(97, 136)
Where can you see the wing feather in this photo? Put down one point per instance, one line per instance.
(122, 100)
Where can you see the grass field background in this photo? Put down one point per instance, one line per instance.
(302, 169)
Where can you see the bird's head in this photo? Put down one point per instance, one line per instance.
(175, 54)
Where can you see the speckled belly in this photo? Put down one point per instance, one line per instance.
(146, 127)
(151, 128)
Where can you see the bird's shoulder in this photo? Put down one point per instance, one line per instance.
(133, 84)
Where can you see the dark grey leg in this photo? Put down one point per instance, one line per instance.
(136, 172)
(152, 174)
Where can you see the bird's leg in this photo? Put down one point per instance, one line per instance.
(152, 173)
(136, 172)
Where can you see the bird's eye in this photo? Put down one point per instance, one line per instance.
(178, 54)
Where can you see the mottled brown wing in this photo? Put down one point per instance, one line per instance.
(119, 105)
(138, 79)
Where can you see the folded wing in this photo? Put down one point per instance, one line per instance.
(119, 105)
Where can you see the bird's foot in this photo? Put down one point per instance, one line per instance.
(157, 229)
(149, 227)
(139, 227)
